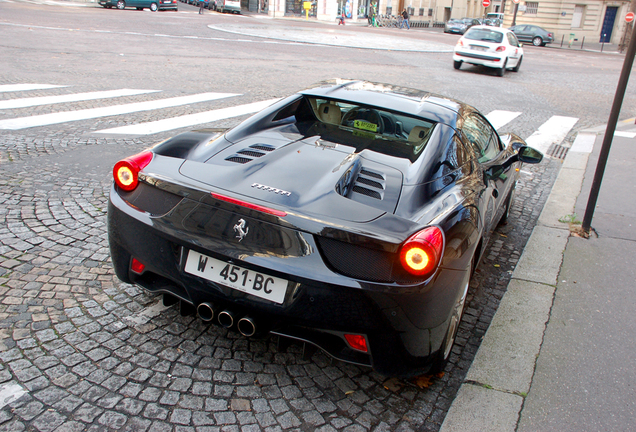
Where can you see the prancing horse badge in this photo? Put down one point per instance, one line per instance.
(240, 229)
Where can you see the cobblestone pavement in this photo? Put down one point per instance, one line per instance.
(80, 350)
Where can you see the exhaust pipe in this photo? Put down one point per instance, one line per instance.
(205, 311)
(246, 326)
(226, 319)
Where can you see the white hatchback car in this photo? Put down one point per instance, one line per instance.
(489, 46)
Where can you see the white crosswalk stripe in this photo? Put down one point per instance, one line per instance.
(551, 132)
(74, 97)
(68, 116)
(501, 118)
(189, 120)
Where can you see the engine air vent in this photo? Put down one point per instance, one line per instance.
(367, 192)
(238, 159)
(370, 183)
(263, 147)
(371, 174)
(251, 153)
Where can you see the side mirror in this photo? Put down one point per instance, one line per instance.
(529, 155)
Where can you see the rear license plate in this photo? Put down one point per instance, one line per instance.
(235, 277)
(478, 48)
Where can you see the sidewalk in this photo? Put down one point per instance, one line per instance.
(323, 33)
(559, 353)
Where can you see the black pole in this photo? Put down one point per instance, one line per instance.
(514, 16)
(609, 135)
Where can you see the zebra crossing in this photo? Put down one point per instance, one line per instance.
(553, 131)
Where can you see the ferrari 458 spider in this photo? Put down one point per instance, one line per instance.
(350, 216)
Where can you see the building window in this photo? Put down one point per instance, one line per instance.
(531, 8)
(577, 18)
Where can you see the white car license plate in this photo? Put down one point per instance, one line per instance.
(230, 275)
(479, 48)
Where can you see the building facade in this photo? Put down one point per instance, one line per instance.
(569, 20)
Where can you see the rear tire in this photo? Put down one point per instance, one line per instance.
(516, 68)
(121, 4)
(537, 41)
(453, 326)
(501, 72)
(457, 64)
(154, 7)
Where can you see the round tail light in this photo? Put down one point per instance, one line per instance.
(421, 254)
(126, 172)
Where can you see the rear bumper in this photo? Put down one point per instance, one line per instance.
(404, 326)
(478, 59)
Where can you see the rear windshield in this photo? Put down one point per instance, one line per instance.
(484, 35)
(361, 126)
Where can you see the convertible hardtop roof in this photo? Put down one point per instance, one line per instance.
(418, 103)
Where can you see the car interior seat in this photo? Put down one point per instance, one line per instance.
(418, 134)
(329, 113)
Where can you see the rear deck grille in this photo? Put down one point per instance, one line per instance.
(367, 192)
(250, 153)
(238, 159)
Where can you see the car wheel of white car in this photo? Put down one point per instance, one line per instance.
(457, 64)
(154, 7)
(121, 4)
(516, 68)
(502, 71)
(537, 41)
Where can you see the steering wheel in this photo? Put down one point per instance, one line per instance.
(367, 115)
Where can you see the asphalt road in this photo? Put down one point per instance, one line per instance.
(79, 350)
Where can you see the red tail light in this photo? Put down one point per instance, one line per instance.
(501, 48)
(549, 34)
(422, 252)
(357, 342)
(126, 172)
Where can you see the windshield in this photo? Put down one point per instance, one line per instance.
(362, 127)
(484, 35)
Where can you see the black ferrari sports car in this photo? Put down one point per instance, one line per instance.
(350, 216)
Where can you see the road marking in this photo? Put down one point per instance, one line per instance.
(26, 87)
(49, 100)
(583, 143)
(189, 120)
(499, 118)
(68, 116)
(551, 132)
(625, 134)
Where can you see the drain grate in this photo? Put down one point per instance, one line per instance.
(558, 151)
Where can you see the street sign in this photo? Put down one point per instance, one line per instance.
(628, 18)
(486, 3)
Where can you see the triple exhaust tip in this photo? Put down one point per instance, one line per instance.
(246, 325)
